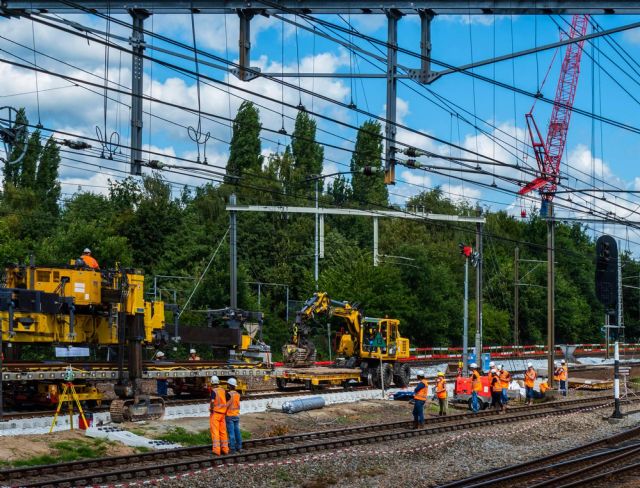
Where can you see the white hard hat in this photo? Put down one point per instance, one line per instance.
(474, 365)
(529, 365)
(192, 351)
(420, 373)
(562, 361)
(215, 380)
(87, 250)
(232, 382)
(492, 364)
(159, 354)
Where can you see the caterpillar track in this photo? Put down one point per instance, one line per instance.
(132, 410)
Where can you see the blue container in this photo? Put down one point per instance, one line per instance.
(486, 359)
(471, 357)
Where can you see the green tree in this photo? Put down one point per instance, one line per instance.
(46, 183)
(12, 168)
(29, 164)
(307, 153)
(245, 148)
(369, 189)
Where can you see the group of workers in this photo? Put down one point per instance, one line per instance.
(224, 417)
(498, 381)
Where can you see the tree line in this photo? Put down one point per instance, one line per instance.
(166, 229)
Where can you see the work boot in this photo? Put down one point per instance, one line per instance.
(415, 424)
(421, 425)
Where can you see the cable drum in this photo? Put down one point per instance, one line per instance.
(303, 404)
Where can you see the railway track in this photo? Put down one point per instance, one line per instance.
(589, 464)
(174, 461)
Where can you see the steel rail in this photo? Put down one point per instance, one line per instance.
(172, 461)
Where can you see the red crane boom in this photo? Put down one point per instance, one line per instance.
(549, 154)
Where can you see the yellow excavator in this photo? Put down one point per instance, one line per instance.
(357, 346)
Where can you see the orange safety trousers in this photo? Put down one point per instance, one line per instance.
(219, 438)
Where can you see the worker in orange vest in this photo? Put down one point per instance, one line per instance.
(233, 417)
(496, 390)
(441, 393)
(419, 399)
(218, 406)
(544, 386)
(476, 387)
(529, 380)
(563, 377)
(89, 260)
(505, 379)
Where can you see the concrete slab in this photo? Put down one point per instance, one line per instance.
(113, 433)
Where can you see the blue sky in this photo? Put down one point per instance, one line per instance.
(456, 40)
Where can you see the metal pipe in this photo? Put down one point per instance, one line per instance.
(465, 323)
(616, 382)
(516, 296)
(233, 285)
(479, 251)
(137, 80)
(551, 285)
(392, 90)
(316, 244)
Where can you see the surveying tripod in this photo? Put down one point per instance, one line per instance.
(68, 396)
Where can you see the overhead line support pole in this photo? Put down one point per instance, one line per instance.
(465, 323)
(392, 93)
(551, 286)
(233, 257)
(137, 80)
(479, 229)
(516, 296)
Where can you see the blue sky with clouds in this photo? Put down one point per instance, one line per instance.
(610, 152)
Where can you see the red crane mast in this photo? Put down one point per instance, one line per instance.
(549, 153)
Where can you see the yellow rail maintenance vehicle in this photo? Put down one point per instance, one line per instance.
(356, 347)
(77, 305)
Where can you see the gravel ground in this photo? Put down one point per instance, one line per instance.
(438, 459)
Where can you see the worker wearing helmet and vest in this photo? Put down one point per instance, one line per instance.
(193, 355)
(505, 379)
(419, 399)
(441, 393)
(89, 260)
(218, 406)
(529, 381)
(476, 387)
(233, 417)
(496, 390)
(563, 377)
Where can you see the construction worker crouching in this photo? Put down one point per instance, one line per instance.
(88, 260)
(476, 387)
(441, 393)
(529, 381)
(233, 417)
(419, 399)
(193, 355)
(505, 378)
(217, 418)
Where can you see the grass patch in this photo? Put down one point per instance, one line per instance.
(179, 435)
(65, 451)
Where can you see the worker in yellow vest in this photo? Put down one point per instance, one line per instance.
(441, 393)
(217, 418)
(529, 381)
(419, 399)
(505, 379)
(233, 417)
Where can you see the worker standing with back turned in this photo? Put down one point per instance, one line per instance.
(505, 379)
(233, 417)
(476, 387)
(419, 399)
(529, 381)
(441, 393)
(89, 260)
(217, 418)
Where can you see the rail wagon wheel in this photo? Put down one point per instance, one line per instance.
(281, 383)
(402, 376)
(387, 374)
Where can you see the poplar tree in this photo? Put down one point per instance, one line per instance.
(29, 164)
(368, 152)
(46, 182)
(307, 153)
(245, 148)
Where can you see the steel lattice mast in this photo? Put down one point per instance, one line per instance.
(549, 154)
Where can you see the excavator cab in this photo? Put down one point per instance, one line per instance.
(395, 347)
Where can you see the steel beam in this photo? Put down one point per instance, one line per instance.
(439, 7)
(392, 93)
(137, 80)
(356, 213)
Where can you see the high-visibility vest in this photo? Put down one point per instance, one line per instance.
(219, 404)
(530, 377)
(422, 394)
(233, 410)
(505, 378)
(544, 386)
(496, 384)
(476, 383)
(557, 373)
(441, 388)
(564, 373)
(90, 261)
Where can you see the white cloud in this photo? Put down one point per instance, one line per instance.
(483, 20)
(633, 35)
